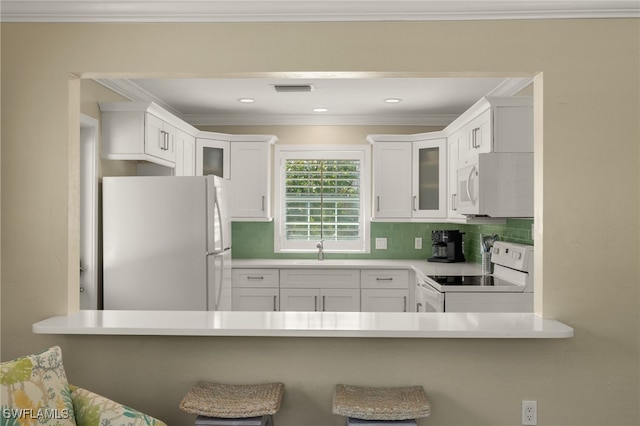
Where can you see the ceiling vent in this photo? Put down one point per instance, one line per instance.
(293, 88)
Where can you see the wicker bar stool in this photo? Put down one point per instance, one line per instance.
(233, 405)
(380, 406)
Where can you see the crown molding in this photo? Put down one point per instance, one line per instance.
(510, 87)
(319, 120)
(134, 93)
(308, 10)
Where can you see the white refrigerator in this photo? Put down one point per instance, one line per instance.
(166, 243)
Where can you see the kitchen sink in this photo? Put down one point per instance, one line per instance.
(319, 262)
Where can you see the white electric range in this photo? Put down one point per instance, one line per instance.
(508, 289)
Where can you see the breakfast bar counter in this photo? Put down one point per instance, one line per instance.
(306, 324)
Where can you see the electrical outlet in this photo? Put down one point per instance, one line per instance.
(418, 243)
(529, 413)
(381, 243)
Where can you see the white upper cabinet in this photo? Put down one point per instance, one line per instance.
(139, 131)
(213, 156)
(452, 178)
(143, 131)
(392, 179)
(429, 199)
(251, 177)
(415, 177)
(185, 154)
(494, 124)
(409, 176)
(160, 138)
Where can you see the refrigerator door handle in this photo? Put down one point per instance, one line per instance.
(217, 285)
(215, 252)
(220, 224)
(222, 249)
(214, 222)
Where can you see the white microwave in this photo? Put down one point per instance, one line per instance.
(497, 185)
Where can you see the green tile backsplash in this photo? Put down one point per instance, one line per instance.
(254, 240)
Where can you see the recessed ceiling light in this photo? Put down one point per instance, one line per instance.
(393, 100)
(246, 100)
(320, 110)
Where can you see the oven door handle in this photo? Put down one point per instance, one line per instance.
(430, 291)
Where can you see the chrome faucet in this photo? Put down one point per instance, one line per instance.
(320, 247)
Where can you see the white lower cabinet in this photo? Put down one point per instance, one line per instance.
(255, 290)
(255, 299)
(321, 300)
(321, 290)
(384, 300)
(385, 290)
(329, 290)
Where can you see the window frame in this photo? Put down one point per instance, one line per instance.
(322, 152)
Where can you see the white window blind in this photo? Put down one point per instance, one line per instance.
(322, 200)
(322, 197)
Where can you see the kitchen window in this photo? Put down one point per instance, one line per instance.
(321, 195)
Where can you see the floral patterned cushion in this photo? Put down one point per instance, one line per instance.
(95, 410)
(34, 391)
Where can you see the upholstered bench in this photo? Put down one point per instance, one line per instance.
(378, 406)
(233, 405)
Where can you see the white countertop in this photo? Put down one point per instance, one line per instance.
(306, 324)
(421, 266)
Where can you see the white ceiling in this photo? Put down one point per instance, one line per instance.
(424, 101)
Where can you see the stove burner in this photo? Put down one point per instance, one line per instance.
(471, 280)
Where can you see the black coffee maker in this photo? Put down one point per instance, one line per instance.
(447, 246)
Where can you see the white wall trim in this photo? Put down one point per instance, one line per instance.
(89, 158)
(309, 10)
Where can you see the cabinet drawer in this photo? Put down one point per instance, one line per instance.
(255, 278)
(384, 300)
(255, 299)
(385, 278)
(319, 278)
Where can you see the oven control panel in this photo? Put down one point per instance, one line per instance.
(512, 255)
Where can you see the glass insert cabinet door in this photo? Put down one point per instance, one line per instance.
(212, 157)
(430, 178)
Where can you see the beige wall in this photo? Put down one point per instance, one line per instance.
(587, 217)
